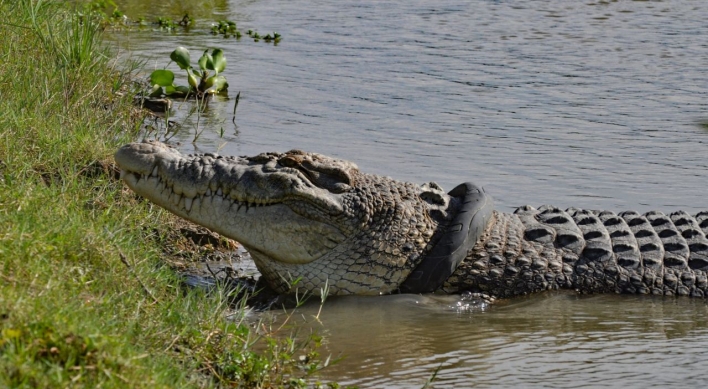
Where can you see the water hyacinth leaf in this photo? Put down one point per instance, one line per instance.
(209, 82)
(219, 60)
(181, 57)
(183, 90)
(216, 84)
(192, 78)
(176, 91)
(156, 91)
(162, 77)
(202, 61)
(206, 61)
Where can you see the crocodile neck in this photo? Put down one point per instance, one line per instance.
(462, 233)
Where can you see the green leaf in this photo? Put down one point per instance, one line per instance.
(192, 78)
(181, 57)
(162, 77)
(176, 91)
(219, 60)
(206, 61)
(209, 82)
(216, 84)
(156, 91)
(183, 89)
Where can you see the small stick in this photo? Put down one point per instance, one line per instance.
(130, 268)
(233, 119)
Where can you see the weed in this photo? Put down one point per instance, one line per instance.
(86, 299)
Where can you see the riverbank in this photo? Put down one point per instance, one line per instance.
(86, 299)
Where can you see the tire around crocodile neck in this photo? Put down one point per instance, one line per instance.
(463, 232)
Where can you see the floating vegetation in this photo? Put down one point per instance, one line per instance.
(225, 28)
(98, 10)
(109, 16)
(228, 28)
(275, 37)
(167, 24)
(201, 81)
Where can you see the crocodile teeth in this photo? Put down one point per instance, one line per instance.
(219, 192)
(154, 172)
(188, 203)
(208, 192)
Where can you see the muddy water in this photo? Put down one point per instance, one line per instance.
(553, 340)
(591, 104)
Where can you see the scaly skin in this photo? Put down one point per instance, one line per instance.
(589, 251)
(319, 220)
(302, 216)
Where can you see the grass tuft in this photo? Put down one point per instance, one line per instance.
(85, 298)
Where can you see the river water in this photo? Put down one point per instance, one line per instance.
(591, 104)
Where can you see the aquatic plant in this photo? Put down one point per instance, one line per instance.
(164, 23)
(225, 28)
(201, 81)
(115, 18)
(275, 37)
(98, 10)
(253, 34)
(167, 24)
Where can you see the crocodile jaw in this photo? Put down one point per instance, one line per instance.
(235, 199)
(302, 216)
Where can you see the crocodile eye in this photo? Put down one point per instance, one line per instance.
(288, 162)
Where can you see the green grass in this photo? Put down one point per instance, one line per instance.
(85, 300)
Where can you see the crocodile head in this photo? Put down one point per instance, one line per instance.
(309, 221)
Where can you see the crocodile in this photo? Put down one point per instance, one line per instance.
(318, 224)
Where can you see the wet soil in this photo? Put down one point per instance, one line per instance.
(205, 259)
